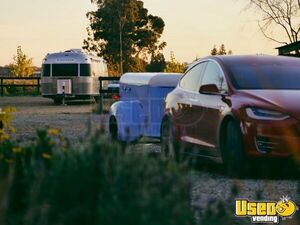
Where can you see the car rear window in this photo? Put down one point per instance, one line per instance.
(265, 74)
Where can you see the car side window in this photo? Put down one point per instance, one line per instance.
(191, 79)
(214, 75)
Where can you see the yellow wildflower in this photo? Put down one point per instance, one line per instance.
(5, 118)
(17, 150)
(46, 155)
(12, 129)
(53, 131)
(3, 136)
(9, 110)
(9, 161)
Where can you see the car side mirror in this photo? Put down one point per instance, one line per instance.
(209, 89)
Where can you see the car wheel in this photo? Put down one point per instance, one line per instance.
(170, 147)
(233, 151)
(57, 101)
(113, 128)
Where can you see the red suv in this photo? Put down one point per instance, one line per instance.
(235, 108)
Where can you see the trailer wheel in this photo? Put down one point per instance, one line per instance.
(57, 101)
(96, 99)
(113, 128)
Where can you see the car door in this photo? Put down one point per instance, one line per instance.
(184, 116)
(209, 107)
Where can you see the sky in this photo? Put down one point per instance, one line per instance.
(192, 28)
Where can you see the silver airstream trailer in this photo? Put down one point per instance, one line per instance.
(72, 74)
(139, 111)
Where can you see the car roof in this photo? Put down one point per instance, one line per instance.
(253, 59)
(151, 79)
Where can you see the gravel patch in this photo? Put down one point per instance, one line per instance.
(209, 187)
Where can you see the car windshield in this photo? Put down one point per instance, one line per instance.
(276, 73)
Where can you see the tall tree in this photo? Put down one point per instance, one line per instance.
(284, 14)
(221, 51)
(21, 65)
(157, 63)
(173, 66)
(124, 33)
(214, 51)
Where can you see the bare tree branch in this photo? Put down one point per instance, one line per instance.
(269, 37)
(283, 14)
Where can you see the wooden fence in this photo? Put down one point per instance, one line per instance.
(11, 82)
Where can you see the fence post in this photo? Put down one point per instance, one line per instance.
(1, 86)
(38, 85)
(100, 96)
(1, 122)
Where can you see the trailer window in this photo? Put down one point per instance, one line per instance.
(85, 70)
(46, 70)
(59, 70)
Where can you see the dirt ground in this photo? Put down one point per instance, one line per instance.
(75, 119)
(209, 183)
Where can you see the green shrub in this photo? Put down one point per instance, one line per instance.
(15, 91)
(5, 91)
(48, 182)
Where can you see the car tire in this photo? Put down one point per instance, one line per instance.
(233, 151)
(170, 147)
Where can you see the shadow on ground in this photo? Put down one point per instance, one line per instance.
(273, 170)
